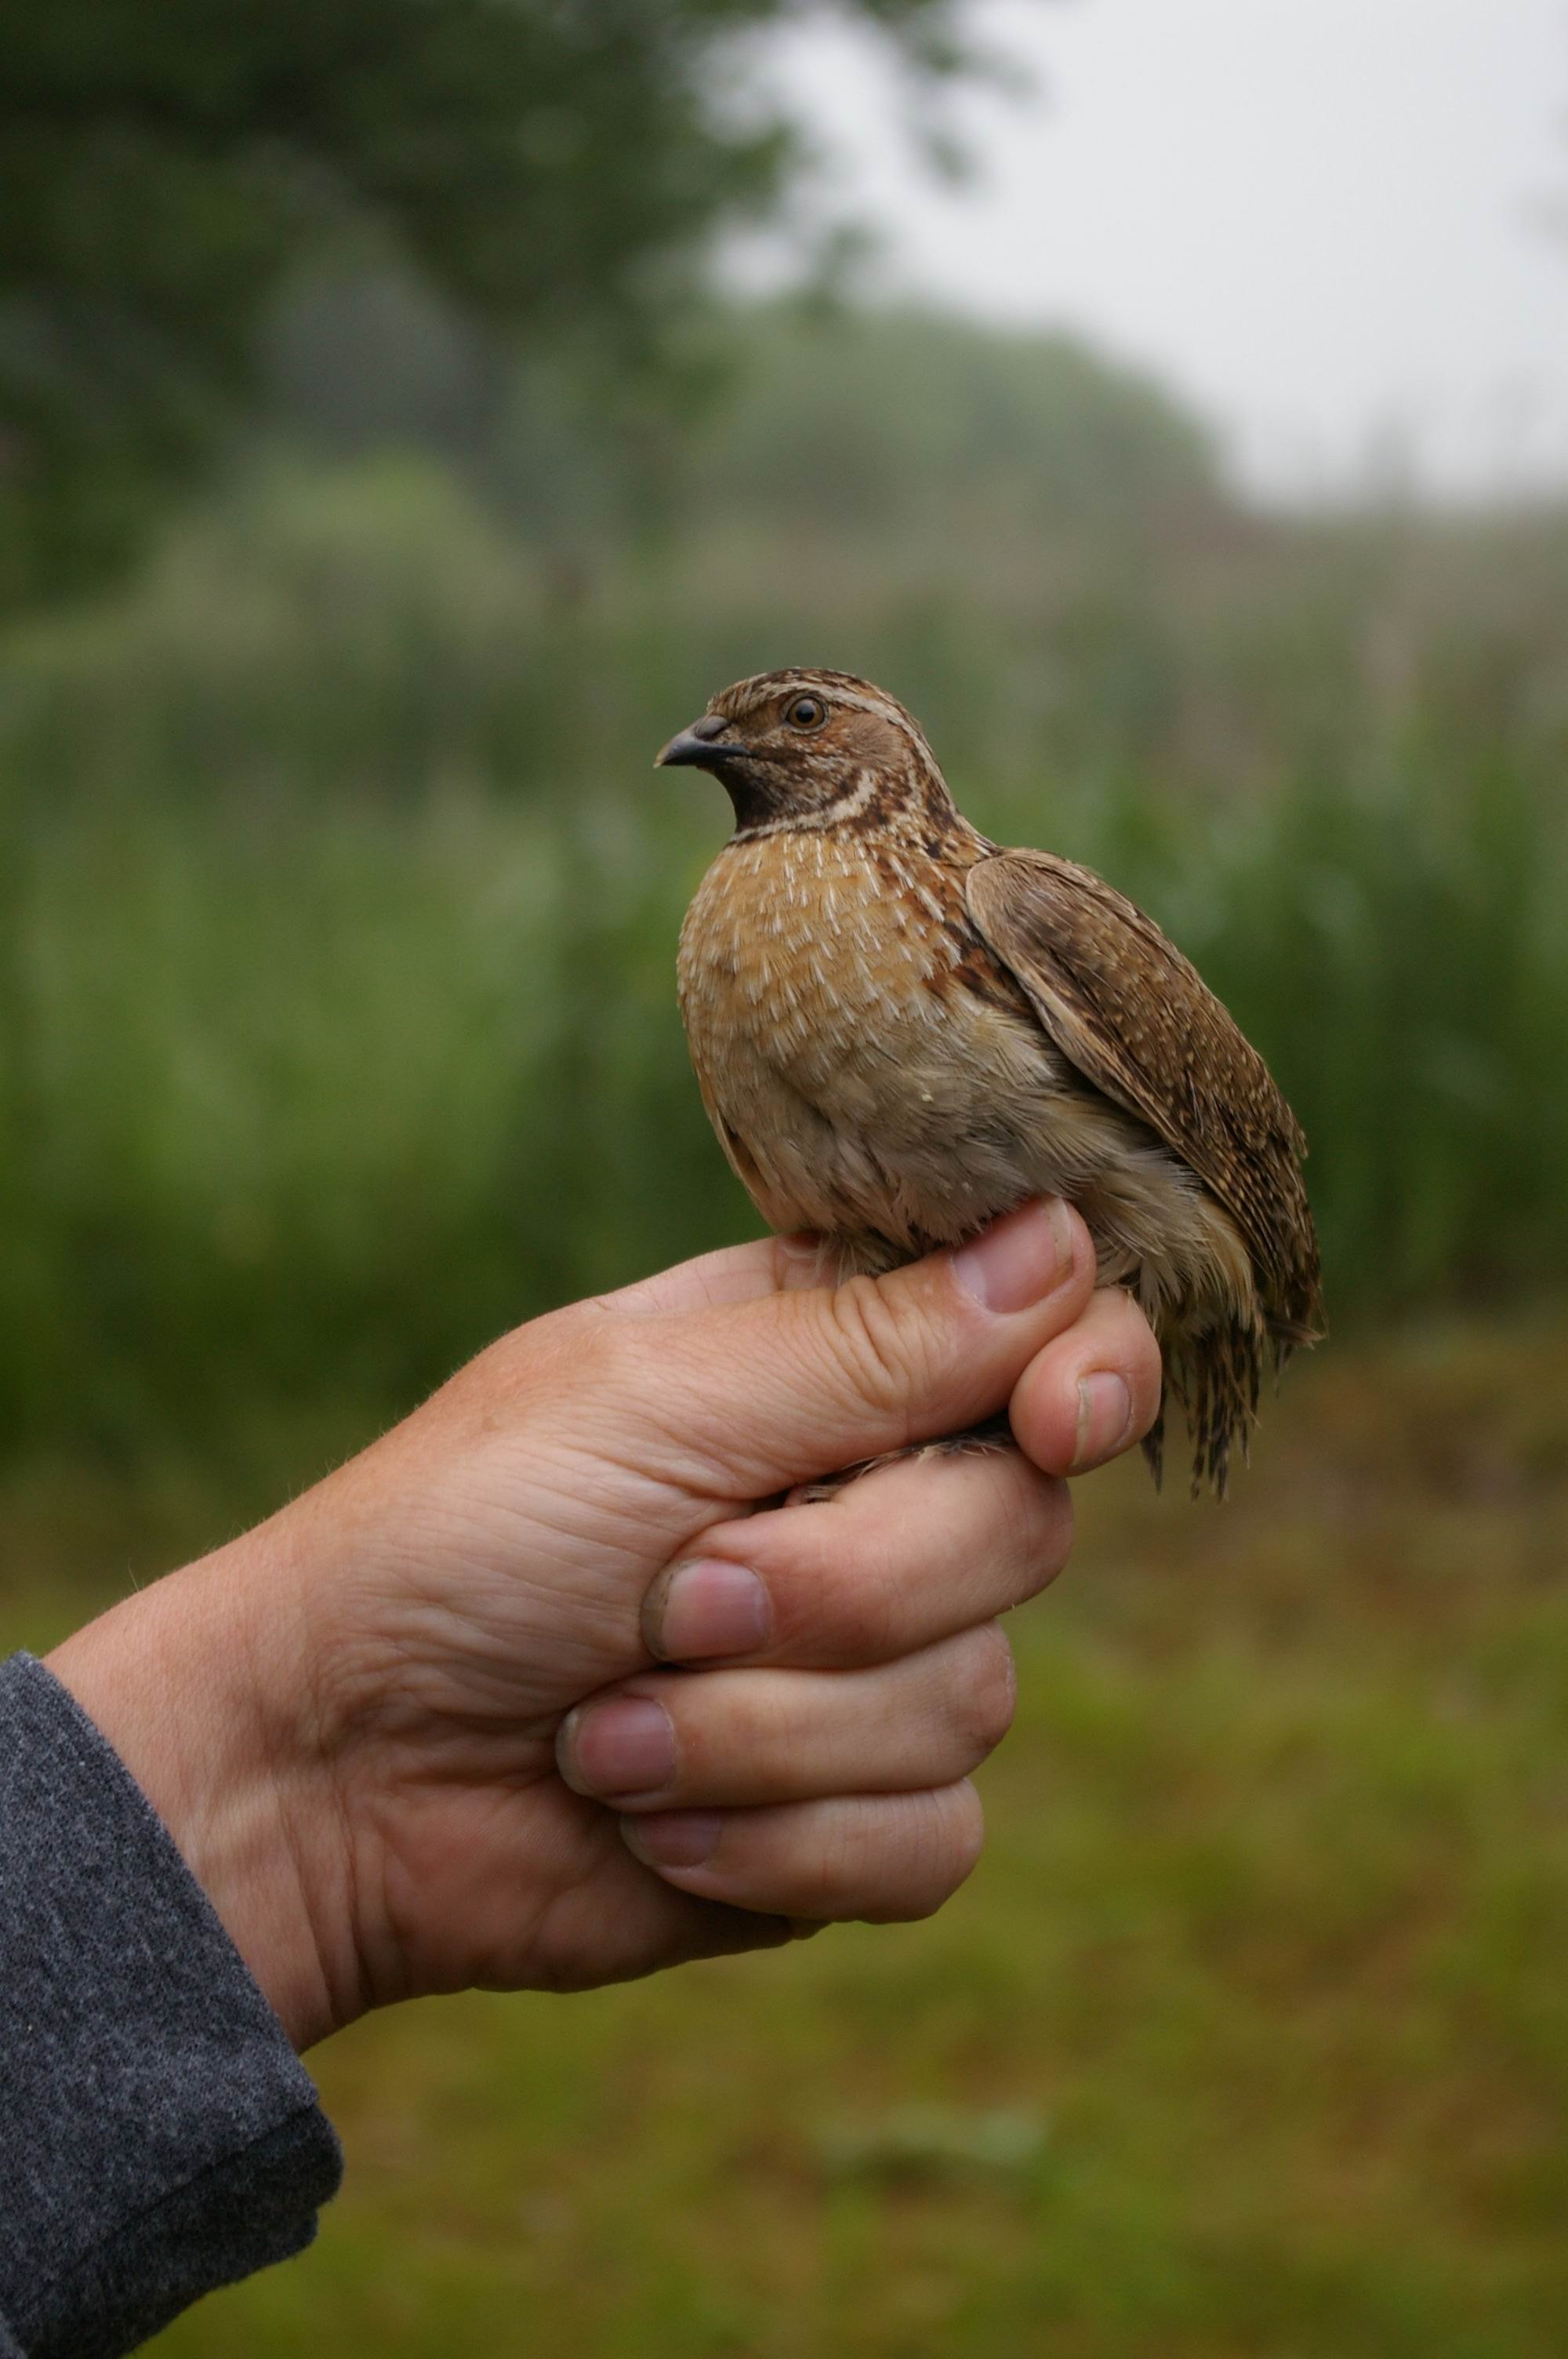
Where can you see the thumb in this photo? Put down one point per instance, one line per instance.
(799, 1381)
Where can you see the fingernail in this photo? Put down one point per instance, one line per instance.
(707, 1607)
(1018, 1262)
(623, 1746)
(1104, 1417)
(672, 1838)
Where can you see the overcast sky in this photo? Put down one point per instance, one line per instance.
(1322, 219)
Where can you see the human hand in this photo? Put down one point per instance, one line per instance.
(418, 1731)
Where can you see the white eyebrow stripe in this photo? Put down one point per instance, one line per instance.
(793, 683)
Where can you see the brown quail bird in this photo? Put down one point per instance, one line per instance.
(901, 1030)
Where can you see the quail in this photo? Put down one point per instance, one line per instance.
(901, 1030)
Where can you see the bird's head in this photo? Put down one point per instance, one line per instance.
(807, 749)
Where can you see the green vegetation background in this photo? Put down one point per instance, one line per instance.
(338, 905)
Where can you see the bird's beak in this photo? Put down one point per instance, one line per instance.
(699, 747)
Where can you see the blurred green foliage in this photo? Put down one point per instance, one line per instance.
(896, 427)
(919, 433)
(551, 168)
(338, 900)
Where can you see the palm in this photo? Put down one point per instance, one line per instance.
(495, 1873)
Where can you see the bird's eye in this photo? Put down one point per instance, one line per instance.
(806, 712)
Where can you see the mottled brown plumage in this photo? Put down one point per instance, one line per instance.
(901, 1030)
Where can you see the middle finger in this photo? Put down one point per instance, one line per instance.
(737, 1738)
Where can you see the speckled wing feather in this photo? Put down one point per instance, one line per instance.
(1137, 1020)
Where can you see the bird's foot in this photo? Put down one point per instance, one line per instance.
(996, 1433)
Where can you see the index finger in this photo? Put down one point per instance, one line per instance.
(912, 1553)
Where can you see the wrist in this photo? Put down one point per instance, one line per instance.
(189, 1682)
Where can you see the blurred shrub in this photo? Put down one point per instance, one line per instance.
(909, 427)
(169, 175)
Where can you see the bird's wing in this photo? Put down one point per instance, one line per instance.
(1137, 1020)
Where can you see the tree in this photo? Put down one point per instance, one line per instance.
(549, 165)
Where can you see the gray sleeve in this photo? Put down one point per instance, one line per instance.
(158, 2137)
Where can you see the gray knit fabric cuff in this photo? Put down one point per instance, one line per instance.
(158, 2137)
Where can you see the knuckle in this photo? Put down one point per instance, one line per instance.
(944, 1849)
(884, 1355)
(1039, 1536)
(968, 1831)
(893, 1860)
(859, 1613)
(985, 1692)
(832, 1601)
